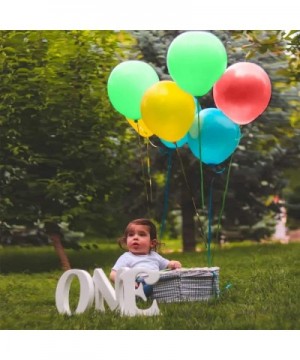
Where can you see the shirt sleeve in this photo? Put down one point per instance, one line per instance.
(121, 262)
(163, 263)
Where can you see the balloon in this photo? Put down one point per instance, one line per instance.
(127, 84)
(167, 110)
(219, 137)
(243, 92)
(140, 127)
(196, 60)
(195, 127)
(178, 144)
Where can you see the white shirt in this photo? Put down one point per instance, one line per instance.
(152, 261)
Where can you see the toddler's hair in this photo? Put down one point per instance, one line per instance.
(145, 222)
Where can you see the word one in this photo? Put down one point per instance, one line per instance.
(99, 288)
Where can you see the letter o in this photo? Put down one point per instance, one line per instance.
(86, 296)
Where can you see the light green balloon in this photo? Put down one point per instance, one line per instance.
(127, 84)
(196, 60)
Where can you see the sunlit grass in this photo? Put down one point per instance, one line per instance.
(259, 283)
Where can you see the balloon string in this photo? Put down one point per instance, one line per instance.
(223, 199)
(166, 193)
(143, 170)
(202, 232)
(149, 170)
(210, 217)
(200, 155)
(151, 143)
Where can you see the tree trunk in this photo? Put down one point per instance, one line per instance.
(188, 221)
(60, 251)
(54, 232)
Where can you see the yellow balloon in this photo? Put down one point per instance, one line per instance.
(140, 127)
(167, 110)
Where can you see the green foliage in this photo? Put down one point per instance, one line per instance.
(264, 292)
(66, 155)
(292, 196)
(60, 139)
(277, 42)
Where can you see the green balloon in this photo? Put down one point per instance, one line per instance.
(196, 60)
(127, 84)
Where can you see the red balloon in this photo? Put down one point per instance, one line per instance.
(243, 92)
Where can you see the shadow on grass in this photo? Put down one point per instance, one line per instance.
(36, 260)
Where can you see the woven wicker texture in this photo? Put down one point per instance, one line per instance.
(187, 285)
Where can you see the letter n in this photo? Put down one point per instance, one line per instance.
(104, 291)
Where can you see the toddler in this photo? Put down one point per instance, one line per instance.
(140, 239)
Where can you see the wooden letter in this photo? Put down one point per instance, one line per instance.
(126, 292)
(86, 297)
(103, 291)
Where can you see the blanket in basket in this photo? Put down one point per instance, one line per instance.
(187, 284)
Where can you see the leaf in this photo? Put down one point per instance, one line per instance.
(250, 54)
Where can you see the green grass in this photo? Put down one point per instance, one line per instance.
(264, 292)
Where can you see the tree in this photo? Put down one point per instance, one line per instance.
(60, 142)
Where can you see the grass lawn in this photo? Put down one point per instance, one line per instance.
(264, 292)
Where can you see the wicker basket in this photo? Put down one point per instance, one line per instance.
(194, 284)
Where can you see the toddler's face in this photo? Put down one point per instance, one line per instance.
(138, 240)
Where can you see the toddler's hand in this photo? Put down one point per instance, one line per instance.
(173, 264)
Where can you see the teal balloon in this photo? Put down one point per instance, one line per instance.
(196, 60)
(178, 143)
(127, 84)
(219, 137)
